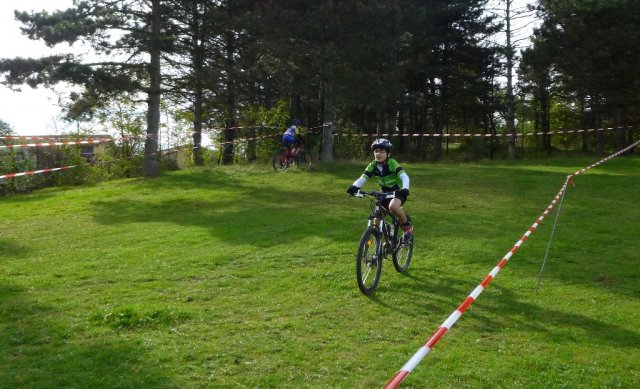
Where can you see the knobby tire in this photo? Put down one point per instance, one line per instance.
(402, 257)
(369, 261)
(278, 161)
(303, 158)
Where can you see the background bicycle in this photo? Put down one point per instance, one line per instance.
(299, 155)
(380, 239)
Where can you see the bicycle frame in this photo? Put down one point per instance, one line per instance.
(377, 217)
(288, 155)
(295, 150)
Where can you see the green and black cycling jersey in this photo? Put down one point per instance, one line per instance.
(388, 175)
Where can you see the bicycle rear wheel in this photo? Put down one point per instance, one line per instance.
(369, 261)
(402, 257)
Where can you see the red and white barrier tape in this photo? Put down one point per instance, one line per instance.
(12, 175)
(421, 134)
(471, 135)
(12, 138)
(245, 139)
(30, 173)
(53, 144)
(57, 141)
(399, 377)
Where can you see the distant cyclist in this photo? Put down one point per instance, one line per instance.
(290, 138)
(392, 178)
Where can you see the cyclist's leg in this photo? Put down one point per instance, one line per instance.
(395, 206)
(288, 142)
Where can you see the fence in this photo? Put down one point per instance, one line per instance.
(347, 144)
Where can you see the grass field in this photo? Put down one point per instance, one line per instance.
(242, 277)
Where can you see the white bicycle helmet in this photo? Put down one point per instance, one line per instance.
(382, 143)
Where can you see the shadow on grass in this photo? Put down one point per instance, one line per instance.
(37, 351)
(559, 326)
(231, 210)
(9, 249)
(263, 208)
(437, 295)
(429, 291)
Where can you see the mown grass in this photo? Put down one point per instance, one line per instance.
(244, 277)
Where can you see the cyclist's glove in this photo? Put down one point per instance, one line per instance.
(402, 194)
(352, 190)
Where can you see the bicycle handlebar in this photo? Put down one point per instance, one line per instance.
(377, 194)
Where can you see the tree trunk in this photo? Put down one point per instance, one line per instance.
(511, 127)
(327, 129)
(437, 140)
(621, 139)
(230, 104)
(197, 128)
(630, 139)
(584, 123)
(227, 148)
(150, 166)
(252, 145)
(198, 99)
(491, 129)
(599, 135)
(438, 112)
(401, 127)
(545, 107)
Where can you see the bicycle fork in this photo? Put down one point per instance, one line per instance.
(384, 230)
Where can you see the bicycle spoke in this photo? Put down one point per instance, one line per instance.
(368, 264)
(402, 257)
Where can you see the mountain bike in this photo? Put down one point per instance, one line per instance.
(285, 158)
(380, 239)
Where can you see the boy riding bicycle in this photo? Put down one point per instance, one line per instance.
(392, 178)
(292, 140)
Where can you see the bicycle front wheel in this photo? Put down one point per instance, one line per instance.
(304, 159)
(369, 261)
(402, 257)
(279, 161)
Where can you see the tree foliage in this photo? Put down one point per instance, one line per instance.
(588, 52)
(399, 66)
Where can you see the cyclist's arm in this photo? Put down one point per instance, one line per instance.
(405, 180)
(360, 181)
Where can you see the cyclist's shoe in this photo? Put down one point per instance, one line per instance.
(408, 233)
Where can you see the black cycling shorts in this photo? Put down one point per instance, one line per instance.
(385, 202)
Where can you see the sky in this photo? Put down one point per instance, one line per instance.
(31, 111)
(35, 111)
